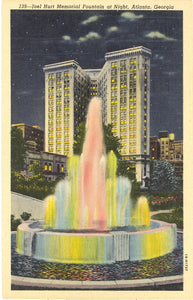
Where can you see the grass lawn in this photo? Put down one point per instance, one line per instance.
(170, 218)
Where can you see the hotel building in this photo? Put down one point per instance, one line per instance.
(67, 92)
(124, 87)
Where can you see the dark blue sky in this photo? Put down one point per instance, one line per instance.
(44, 37)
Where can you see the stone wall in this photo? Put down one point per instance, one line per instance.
(21, 203)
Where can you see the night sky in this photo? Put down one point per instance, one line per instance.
(44, 37)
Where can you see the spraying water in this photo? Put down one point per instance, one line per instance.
(142, 212)
(93, 197)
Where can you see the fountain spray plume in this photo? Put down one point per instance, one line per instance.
(93, 171)
(142, 212)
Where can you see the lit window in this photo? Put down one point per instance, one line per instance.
(45, 167)
(50, 167)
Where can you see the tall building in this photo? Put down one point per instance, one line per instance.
(124, 87)
(67, 92)
(32, 135)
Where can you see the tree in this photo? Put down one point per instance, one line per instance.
(124, 168)
(78, 143)
(111, 142)
(36, 168)
(163, 178)
(18, 150)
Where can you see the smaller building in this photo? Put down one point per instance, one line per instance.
(33, 136)
(154, 148)
(53, 165)
(167, 148)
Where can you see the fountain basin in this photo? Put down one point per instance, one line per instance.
(95, 247)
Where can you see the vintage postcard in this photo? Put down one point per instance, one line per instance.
(97, 149)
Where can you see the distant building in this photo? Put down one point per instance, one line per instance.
(166, 145)
(163, 134)
(123, 84)
(167, 148)
(53, 165)
(154, 148)
(33, 136)
(178, 150)
(177, 159)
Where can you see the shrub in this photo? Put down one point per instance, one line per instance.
(14, 223)
(163, 178)
(36, 186)
(25, 216)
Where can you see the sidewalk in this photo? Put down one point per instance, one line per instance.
(167, 211)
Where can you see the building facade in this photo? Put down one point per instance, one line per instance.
(123, 84)
(32, 135)
(154, 148)
(67, 92)
(53, 165)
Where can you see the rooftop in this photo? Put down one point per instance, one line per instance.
(127, 52)
(63, 64)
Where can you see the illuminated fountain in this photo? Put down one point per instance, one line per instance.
(89, 218)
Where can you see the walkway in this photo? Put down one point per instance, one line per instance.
(156, 212)
(97, 285)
